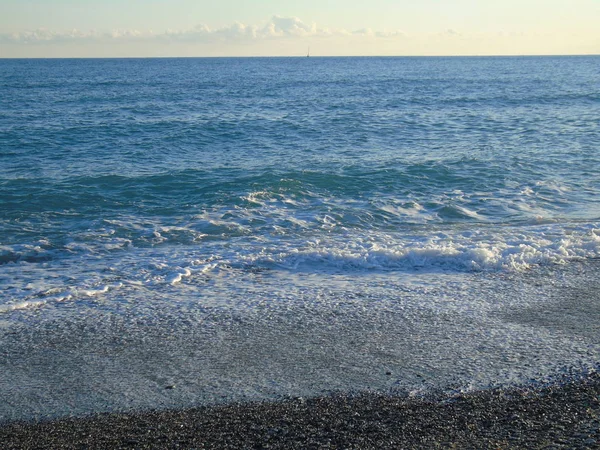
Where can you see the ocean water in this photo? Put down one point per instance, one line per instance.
(176, 232)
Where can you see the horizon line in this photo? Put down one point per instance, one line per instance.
(312, 56)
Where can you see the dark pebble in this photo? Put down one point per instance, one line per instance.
(560, 415)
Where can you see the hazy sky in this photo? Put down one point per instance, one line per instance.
(64, 28)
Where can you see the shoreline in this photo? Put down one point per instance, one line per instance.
(563, 414)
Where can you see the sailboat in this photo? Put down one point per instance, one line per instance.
(308, 52)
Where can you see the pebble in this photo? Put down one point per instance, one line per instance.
(559, 412)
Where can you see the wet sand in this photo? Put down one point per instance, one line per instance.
(564, 414)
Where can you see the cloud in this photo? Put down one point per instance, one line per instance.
(363, 32)
(125, 34)
(276, 27)
(43, 35)
(236, 31)
(288, 26)
(451, 32)
(391, 34)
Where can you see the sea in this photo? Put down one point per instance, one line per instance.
(177, 232)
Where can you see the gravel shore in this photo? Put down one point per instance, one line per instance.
(565, 414)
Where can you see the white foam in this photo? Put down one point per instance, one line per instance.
(178, 276)
(56, 295)
(258, 197)
(197, 267)
(21, 305)
(527, 191)
(472, 251)
(117, 244)
(25, 252)
(102, 290)
(327, 248)
(467, 212)
(409, 209)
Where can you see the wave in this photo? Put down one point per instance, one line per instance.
(515, 250)
(272, 237)
(57, 295)
(85, 275)
(25, 253)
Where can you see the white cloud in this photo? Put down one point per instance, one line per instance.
(125, 34)
(43, 35)
(364, 32)
(280, 36)
(288, 26)
(236, 31)
(197, 33)
(391, 34)
(451, 32)
(276, 27)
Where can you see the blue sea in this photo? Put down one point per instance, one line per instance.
(181, 232)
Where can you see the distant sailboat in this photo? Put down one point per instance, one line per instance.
(308, 52)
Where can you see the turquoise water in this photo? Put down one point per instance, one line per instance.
(335, 219)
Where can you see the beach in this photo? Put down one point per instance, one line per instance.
(299, 252)
(563, 414)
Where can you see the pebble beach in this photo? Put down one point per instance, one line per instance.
(300, 252)
(564, 414)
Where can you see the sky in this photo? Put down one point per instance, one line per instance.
(157, 28)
